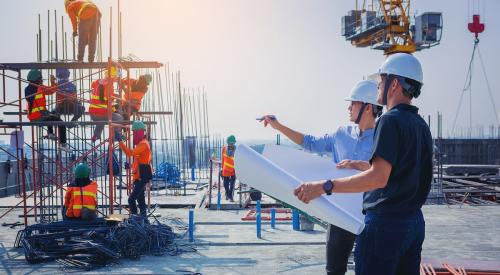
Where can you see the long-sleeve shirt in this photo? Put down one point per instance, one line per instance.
(141, 153)
(81, 10)
(345, 143)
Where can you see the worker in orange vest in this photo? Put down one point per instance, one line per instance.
(102, 92)
(142, 172)
(138, 88)
(85, 18)
(35, 94)
(80, 201)
(228, 173)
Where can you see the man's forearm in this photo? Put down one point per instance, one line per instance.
(294, 136)
(362, 182)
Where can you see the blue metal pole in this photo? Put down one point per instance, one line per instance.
(258, 218)
(191, 225)
(192, 174)
(218, 201)
(295, 220)
(273, 218)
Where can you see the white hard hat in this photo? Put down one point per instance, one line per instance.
(401, 64)
(365, 91)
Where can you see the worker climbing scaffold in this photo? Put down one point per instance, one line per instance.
(85, 20)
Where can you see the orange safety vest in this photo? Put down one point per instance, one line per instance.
(38, 105)
(227, 164)
(144, 158)
(99, 98)
(135, 95)
(81, 10)
(80, 197)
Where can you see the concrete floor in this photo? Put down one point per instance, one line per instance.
(226, 245)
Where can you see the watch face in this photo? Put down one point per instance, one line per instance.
(328, 185)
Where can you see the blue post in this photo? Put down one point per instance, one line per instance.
(191, 225)
(273, 218)
(218, 201)
(258, 222)
(258, 219)
(295, 219)
(192, 174)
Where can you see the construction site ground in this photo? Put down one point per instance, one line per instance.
(225, 244)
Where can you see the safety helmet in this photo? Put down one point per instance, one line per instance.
(34, 75)
(231, 139)
(365, 91)
(66, 2)
(62, 73)
(148, 78)
(112, 72)
(138, 125)
(82, 170)
(401, 64)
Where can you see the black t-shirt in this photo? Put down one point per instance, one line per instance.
(403, 139)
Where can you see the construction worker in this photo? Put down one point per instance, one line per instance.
(350, 147)
(88, 17)
(142, 172)
(228, 173)
(398, 181)
(35, 94)
(102, 92)
(138, 88)
(80, 200)
(67, 102)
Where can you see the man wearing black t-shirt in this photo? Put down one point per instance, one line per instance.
(398, 181)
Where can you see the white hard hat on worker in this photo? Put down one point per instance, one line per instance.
(364, 93)
(406, 69)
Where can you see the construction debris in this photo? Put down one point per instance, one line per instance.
(88, 245)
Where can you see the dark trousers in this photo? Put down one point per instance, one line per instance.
(47, 116)
(87, 32)
(390, 244)
(229, 186)
(138, 194)
(339, 244)
(70, 107)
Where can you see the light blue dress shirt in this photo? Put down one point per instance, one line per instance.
(345, 143)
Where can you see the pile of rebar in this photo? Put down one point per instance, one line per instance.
(95, 244)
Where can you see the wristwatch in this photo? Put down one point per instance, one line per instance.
(328, 187)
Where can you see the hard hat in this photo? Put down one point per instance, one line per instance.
(62, 73)
(34, 75)
(148, 78)
(365, 91)
(113, 71)
(401, 64)
(138, 125)
(66, 2)
(231, 139)
(82, 171)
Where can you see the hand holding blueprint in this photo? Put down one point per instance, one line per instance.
(279, 170)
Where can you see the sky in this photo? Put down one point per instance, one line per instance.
(281, 57)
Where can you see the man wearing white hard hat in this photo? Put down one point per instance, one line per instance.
(350, 147)
(398, 181)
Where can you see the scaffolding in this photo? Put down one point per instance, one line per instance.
(176, 118)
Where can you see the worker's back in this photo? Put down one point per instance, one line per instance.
(81, 196)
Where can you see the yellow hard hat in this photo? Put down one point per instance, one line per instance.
(111, 72)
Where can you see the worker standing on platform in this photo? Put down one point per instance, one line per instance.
(67, 102)
(102, 93)
(350, 147)
(228, 173)
(142, 172)
(35, 94)
(138, 88)
(80, 201)
(85, 18)
(398, 181)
